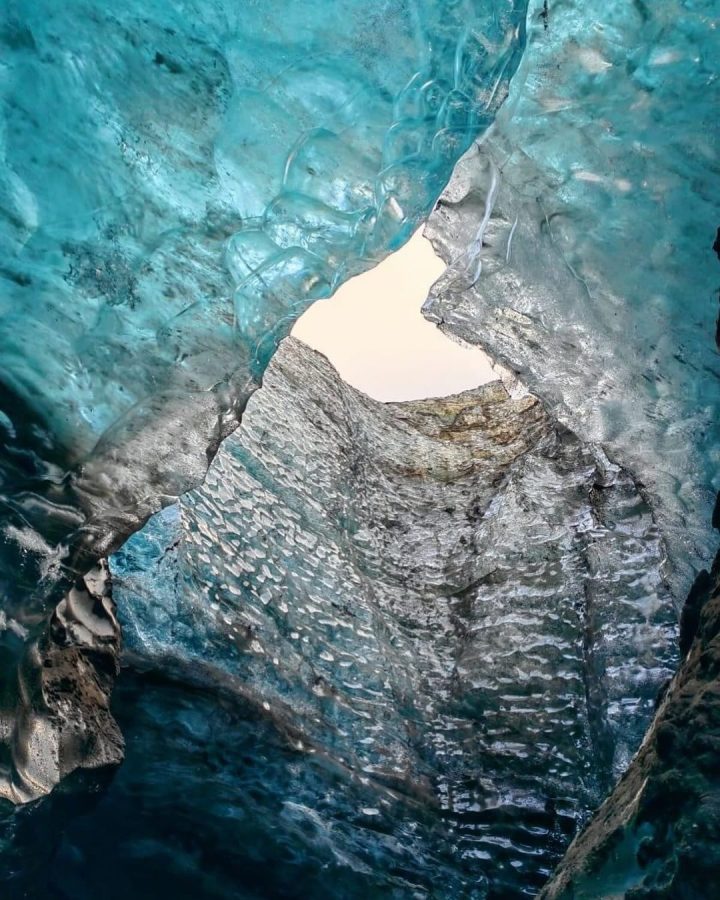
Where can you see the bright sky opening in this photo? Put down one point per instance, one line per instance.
(374, 334)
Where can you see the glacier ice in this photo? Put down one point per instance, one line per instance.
(55, 712)
(598, 281)
(178, 182)
(452, 601)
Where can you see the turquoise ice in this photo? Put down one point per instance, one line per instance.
(180, 180)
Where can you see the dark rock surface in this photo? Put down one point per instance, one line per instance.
(56, 717)
(657, 836)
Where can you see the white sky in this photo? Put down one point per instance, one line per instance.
(374, 334)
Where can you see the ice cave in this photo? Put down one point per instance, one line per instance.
(272, 626)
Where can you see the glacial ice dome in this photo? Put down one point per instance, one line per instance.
(157, 157)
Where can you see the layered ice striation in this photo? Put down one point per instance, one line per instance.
(580, 243)
(452, 608)
(179, 181)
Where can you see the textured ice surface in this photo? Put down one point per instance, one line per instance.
(54, 714)
(594, 273)
(132, 318)
(179, 180)
(452, 601)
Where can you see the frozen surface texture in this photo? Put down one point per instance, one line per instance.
(658, 833)
(581, 244)
(453, 602)
(178, 181)
(383, 651)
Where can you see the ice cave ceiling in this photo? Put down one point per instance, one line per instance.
(378, 650)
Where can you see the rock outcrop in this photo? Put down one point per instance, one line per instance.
(56, 717)
(657, 836)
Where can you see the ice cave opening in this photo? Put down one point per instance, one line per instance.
(374, 334)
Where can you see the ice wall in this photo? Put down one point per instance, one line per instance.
(580, 242)
(453, 603)
(178, 182)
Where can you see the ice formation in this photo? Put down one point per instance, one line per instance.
(179, 182)
(317, 659)
(394, 587)
(596, 281)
